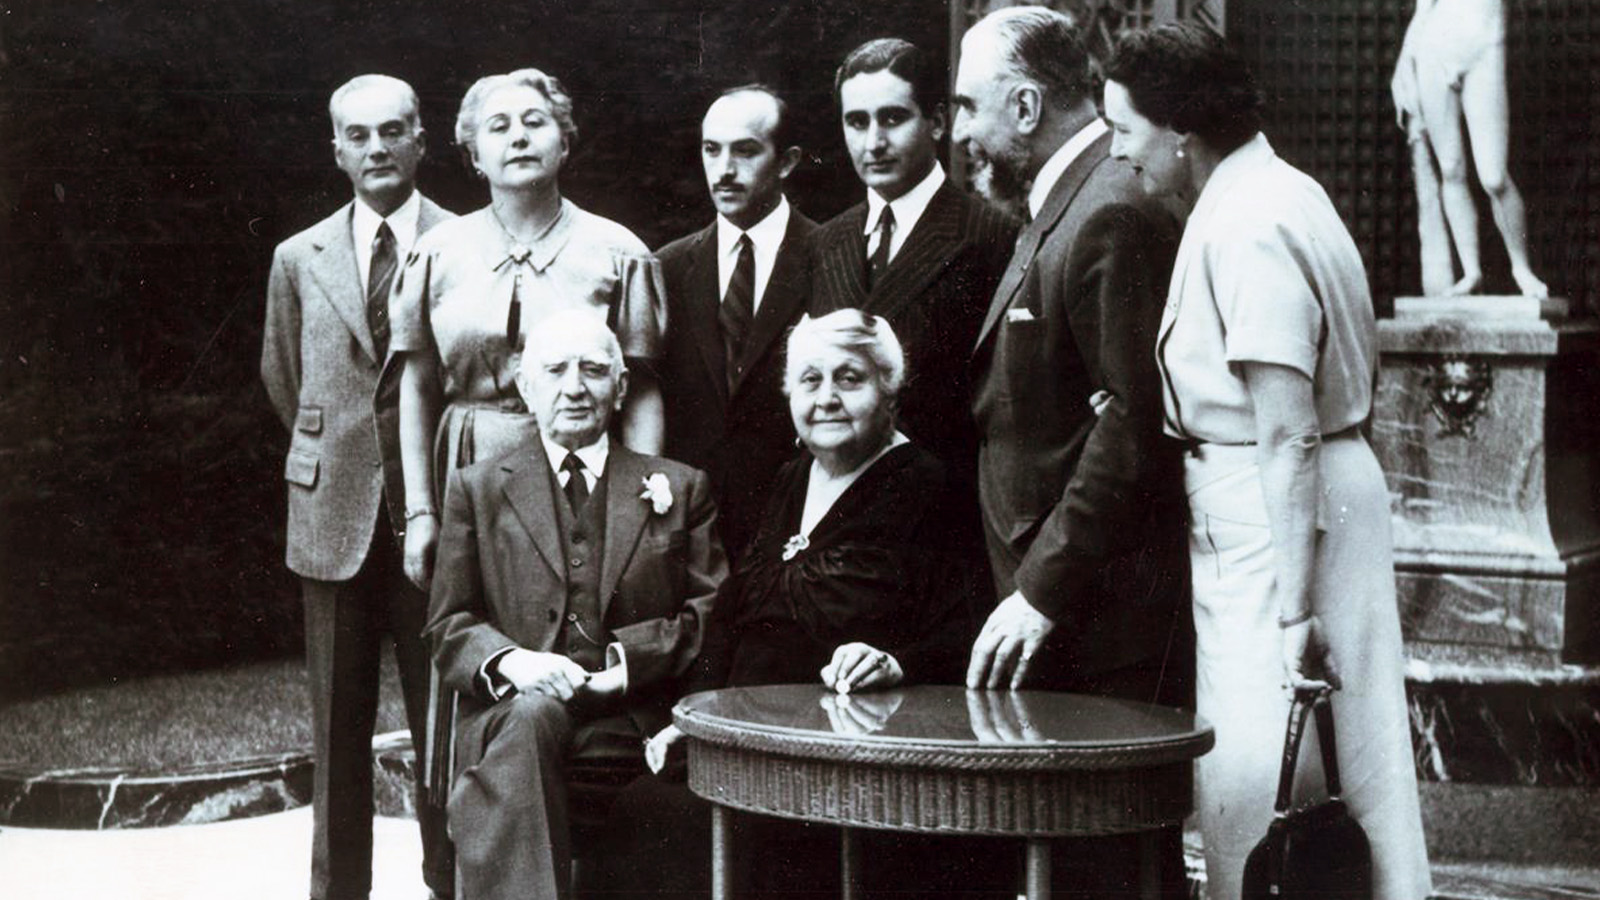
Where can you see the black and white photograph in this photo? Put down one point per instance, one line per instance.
(680, 450)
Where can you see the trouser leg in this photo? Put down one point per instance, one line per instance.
(508, 805)
(407, 613)
(342, 669)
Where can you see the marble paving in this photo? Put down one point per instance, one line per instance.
(245, 859)
(266, 858)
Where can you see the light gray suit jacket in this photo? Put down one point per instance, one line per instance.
(322, 372)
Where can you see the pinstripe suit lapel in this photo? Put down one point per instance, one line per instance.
(928, 249)
(844, 262)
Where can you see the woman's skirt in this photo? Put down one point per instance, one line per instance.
(1240, 679)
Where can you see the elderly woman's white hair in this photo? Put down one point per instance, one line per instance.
(859, 332)
(467, 119)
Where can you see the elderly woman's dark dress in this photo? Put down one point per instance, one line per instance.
(876, 569)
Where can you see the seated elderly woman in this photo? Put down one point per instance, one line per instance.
(849, 579)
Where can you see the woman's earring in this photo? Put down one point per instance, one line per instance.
(799, 443)
(1180, 153)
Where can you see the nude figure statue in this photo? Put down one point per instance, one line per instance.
(1449, 89)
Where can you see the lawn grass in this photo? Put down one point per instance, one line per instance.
(165, 722)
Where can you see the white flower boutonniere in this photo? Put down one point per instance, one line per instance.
(658, 492)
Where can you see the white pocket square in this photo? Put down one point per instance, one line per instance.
(1019, 314)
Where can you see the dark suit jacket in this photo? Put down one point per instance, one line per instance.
(740, 438)
(500, 578)
(934, 295)
(321, 373)
(1084, 513)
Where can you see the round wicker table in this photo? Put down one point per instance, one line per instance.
(935, 759)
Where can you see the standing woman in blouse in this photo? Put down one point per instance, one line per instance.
(1267, 350)
(465, 298)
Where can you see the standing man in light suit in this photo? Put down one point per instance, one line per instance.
(1082, 499)
(324, 346)
(734, 289)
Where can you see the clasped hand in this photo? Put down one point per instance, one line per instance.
(554, 675)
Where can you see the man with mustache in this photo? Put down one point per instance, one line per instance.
(325, 342)
(917, 251)
(1082, 498)
(734, 288)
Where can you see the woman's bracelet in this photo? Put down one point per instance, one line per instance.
(417, 512)
(1292, 621)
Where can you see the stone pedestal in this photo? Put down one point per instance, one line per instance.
(1487, 424)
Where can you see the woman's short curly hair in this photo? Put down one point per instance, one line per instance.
(858, 332)
(1185, 77)
(467, 120)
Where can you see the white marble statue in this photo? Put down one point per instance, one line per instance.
(1450, 93)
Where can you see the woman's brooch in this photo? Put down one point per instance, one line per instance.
(794, 545)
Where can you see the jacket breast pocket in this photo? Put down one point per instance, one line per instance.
(301, 468)
(1022, 345)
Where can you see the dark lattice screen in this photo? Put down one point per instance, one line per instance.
(1324, 66)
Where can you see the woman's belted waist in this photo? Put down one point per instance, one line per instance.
(1198, 447)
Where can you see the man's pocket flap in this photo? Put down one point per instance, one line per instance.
(301, 468)
(309, 420)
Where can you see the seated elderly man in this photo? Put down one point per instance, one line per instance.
(572, 578)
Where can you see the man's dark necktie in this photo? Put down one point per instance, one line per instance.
(880, 256)
(577, 489)
(380, 276)
(738, 307)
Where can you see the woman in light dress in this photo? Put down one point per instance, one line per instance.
(471, 287)
(1267, 350)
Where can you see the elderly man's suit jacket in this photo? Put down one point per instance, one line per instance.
(321, 372)
(934, 295)
(1084, 512)
(500, 580)
(743, 435)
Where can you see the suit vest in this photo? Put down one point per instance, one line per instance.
(581, 636)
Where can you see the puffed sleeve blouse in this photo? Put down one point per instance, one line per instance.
(454, 296)
(1266, 273)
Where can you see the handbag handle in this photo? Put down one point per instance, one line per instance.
(1307, 700)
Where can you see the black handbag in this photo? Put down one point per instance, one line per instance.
(1319, 851)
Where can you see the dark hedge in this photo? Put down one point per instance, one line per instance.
(151, 156)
